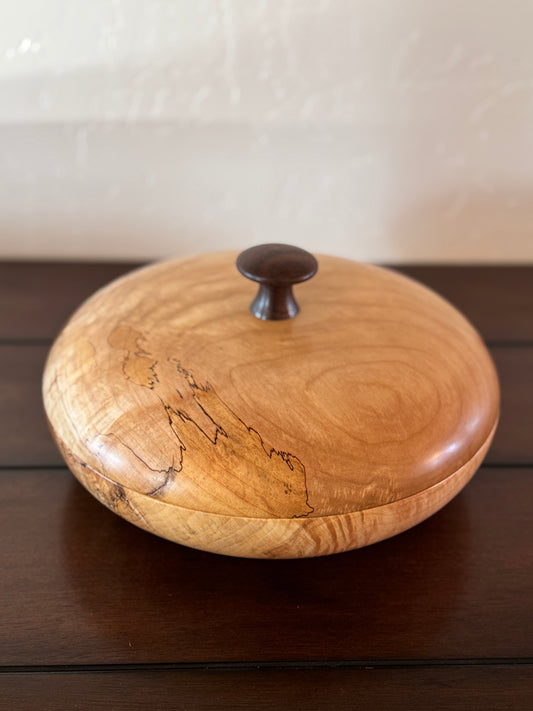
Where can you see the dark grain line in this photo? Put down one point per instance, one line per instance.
(262, 665)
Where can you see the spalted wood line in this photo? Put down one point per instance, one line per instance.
(498, 688)
(81, 586)
(517, 693)
(266, 414)
(26, 440)
(37, 297)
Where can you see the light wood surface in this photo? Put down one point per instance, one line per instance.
(94, 608)
(189, 417)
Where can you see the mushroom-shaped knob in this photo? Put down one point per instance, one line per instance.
(276, 267)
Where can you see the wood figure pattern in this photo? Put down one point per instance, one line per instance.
(193, 419)
(200, 420)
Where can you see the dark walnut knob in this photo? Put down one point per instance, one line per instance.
(276, 267)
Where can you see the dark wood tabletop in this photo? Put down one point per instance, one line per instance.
(97, 614)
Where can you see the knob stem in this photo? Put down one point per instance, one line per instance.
(274, 303)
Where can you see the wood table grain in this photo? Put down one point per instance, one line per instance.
(95, 613)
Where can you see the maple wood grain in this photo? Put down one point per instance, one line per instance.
(333, 430)
(27, 440)
(497, 299)
(476, 688)
(36, 298)
(80, 585)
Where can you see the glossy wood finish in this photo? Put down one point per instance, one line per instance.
(25, 436)
(498, 300)
(79, 586)
(21, 410)
(513, 441)
(344, 426)
(36, 298)
(494, 688)
(276, 268)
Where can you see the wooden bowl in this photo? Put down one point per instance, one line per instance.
(271, 434)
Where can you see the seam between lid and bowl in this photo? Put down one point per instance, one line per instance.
(68, 453)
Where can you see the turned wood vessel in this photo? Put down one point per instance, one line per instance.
(324, 417)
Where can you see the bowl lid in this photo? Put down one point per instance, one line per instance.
(166, 383)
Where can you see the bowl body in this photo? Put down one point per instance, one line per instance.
(192, 419)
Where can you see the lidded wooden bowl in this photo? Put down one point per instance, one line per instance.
(268, 432)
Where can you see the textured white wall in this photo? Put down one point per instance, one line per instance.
(385, 130)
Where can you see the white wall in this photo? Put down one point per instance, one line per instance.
(385, 130)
